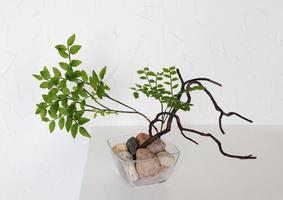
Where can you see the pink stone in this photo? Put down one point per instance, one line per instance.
(147, 164)
(156, 146)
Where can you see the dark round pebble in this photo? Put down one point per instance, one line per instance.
(132, 145)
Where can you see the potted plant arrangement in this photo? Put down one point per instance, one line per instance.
(145, 158)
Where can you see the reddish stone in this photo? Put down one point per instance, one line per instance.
(142, 137)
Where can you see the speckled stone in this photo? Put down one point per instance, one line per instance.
(129, 167)
(131, 171)
(125, 155)
(119, 148)
(142, 137)
(132, 145)
(146, 168)
(166, 159)
(156, 146)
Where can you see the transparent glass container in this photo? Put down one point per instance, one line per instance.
(129, 170)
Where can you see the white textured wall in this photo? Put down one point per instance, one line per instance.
(239, 43)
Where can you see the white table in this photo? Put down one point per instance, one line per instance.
(201, 172)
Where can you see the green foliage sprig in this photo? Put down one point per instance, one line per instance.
(65, 102)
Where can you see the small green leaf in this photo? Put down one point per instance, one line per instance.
(68, 124)
(175, 86)
(83, 120)
(74, 49)
(38, 77)
(150, 73)
(74, 130)
(94, 76)
(56, 72)
(140, 71)
(51, 126)
(45, 73)
(84, 76)
(61, 123)
(44, 85)
(172, 68)
(166, 70)
(43, 113)
(75, 63)
(136, 95)
(143, 77)
(84, 132)
(102, 72)
(63, 54)
(64, 65)
(71, 40)
(61, 47)
(78, 114)
(53, 110)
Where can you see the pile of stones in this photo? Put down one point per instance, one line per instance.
(144, 163)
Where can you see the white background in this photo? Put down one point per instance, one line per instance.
(238, 43)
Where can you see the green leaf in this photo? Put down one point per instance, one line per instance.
(84, 76)
(75, 63)
(51, 126)
(69, 123)
(75, 96)
(71, 40)
(199, 87)
(150, 73)
(143, 77)
(63, 54)
(94, 76)
(82, 93)
(44, 85)
(38, 77)
(74, 130)
(38, 110)
(64, 102)
(78, 114)
(43, 113)
(64, 65)
(56, 72)
(83, 120)
(46, 98)
(166, 70)
(74, 49)
(140, 71)
(175, 86)
(102, 72)
(100, 92)
(146, 68)
(84, 132)
(82, 104)
(172, 68)
(53, 110)
(61, 47)
(136, 95)
(45, 73)
(61, 123)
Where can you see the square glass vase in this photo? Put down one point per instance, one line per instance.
(129, 169)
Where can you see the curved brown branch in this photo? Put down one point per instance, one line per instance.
(214, 139)
(218, 108)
